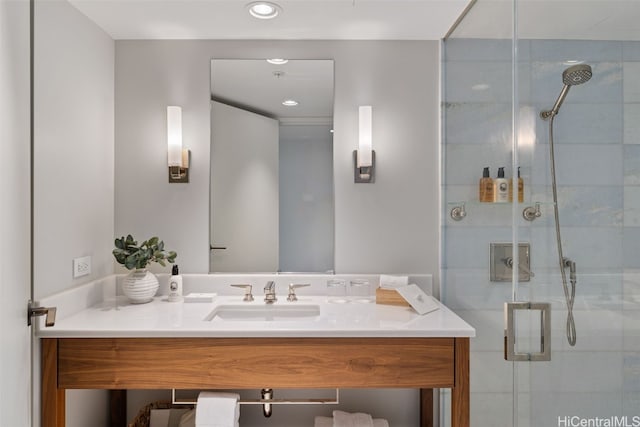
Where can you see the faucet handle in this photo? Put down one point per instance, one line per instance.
(292, 290)
(248, 296)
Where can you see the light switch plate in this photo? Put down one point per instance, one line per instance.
(81, 266)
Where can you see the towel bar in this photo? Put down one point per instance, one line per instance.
(311, 401)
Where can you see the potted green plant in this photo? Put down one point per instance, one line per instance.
(140, 285)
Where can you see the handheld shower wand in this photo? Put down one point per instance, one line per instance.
(572, 76)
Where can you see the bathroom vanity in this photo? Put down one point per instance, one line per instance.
(164, 345)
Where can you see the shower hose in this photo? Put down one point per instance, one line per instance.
(569, 293)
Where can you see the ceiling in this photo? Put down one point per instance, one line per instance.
(553, 19)
(364, 19)
(300, 19)
(261, 87)
(350, 19)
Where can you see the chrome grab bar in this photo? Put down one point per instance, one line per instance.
(308, 401)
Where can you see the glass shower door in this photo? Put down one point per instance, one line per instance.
(495, 87)
(593, 377)
(478, 128)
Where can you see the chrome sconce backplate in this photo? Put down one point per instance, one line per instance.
(364, 175)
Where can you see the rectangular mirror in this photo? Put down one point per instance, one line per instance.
(271, 188)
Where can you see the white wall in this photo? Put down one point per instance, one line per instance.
(390, 226)
(74, 163)
(73, 131)
(387, 227)
(14, 213)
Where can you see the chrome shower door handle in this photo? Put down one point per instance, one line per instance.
(510, 332)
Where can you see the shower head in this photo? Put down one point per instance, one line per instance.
(572, 76)
(576, 75)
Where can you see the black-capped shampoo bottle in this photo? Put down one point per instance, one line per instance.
(520, 188)
(175, 285)
(486, 187)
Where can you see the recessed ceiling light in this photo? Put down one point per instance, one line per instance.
(264, 9)
(277, 61)
(289, 103)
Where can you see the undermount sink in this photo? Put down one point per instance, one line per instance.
(240, 312)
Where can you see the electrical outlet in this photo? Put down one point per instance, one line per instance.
(81, 266)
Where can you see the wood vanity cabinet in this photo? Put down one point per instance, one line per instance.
(256, 363)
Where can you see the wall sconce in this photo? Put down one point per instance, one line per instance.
(178, 158)
(364, 158)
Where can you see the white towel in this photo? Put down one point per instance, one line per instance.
(323, 422)
(345, 419)
(217, 409)
(167, 417)
(328, 422)
(393, 282)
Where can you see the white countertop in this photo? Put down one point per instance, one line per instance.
(160, 318)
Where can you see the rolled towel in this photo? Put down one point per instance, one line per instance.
(345, 419)
(217, 409)
(323, 422)
(393, 282)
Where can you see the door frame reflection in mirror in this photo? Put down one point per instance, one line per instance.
(255, 89)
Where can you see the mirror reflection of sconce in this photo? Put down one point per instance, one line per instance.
(364, 158)
(178, 158)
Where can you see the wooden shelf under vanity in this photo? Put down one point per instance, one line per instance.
(255, 363)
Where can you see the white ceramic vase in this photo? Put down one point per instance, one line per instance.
(140, 286)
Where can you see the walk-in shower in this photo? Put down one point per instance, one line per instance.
(572, 76)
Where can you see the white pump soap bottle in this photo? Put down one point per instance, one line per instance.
(500, 188)
(175, 285)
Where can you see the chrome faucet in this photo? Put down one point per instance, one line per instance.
(270, 292)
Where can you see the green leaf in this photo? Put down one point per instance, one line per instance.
(128, 253)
